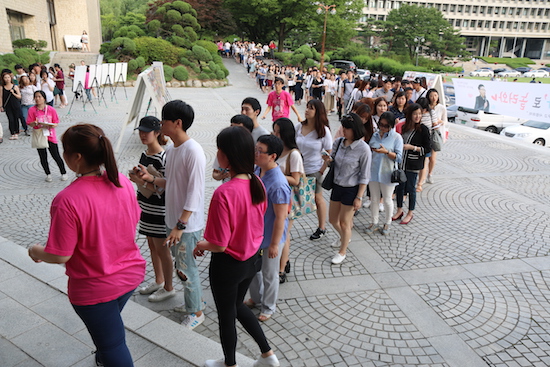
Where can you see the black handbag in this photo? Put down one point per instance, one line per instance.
(398, 175)
(329, 178)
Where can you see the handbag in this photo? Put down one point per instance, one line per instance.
(398, 175)
(329, 178)
(302, 199)
(144, 190)
(38, 139)
(436, 140)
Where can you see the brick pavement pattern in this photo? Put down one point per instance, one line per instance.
(466, 283)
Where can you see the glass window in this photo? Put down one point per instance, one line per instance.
(515, 25)
(518, 11)
(501, 25)
(522, 26)
(467, 9)
(474, 9)
(472, 23)
(543, 27)
(530, 26)
(495, 25)
(487, 24)
(438, 6)
(508, 25)
(536, 26)
(539, 13)
(465, 24)
(445, 7)
(457, 24)
(511, 11)
(453, 7)
(547, 12)
(460, 8)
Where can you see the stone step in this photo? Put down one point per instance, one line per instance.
(64, 59)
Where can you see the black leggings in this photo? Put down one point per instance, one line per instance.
(54, 151)
(229, 281)
(14, 116)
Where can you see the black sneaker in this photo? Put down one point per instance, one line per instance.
(318, 234)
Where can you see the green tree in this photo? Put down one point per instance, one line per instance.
(175, 21)
(408, 22)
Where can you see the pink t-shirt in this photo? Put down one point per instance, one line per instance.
(95, 222)
(48, 114)
(280, 103)
(234, 222)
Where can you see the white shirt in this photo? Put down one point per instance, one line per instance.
(45, 86)
(295, 162)
(185, 184)
(311, 148)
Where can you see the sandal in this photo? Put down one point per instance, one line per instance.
(250, 303)
(263, 317)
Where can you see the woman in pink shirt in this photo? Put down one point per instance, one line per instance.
(234, 232)
(92, 231)
(43, 116)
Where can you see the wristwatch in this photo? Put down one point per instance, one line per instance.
(181, 225)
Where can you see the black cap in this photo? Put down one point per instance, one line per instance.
(416, 80)
(148, 124)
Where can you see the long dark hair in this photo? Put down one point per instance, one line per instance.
(430, 91)
(238, 146)
(365, 113)
(96, 149)
(409, 124)
(320, 120)
(286, 132)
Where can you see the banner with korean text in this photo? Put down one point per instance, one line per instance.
(523, 100)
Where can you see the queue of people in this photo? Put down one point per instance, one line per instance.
(248, 226)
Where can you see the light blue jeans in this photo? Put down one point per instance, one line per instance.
(185, 263)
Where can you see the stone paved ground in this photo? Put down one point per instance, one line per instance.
(467, 283)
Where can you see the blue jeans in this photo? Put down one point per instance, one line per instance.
(25, 112)
(410, 188)
(185, 263)
(106, 328)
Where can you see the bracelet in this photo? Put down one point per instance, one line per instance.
(152, 182)
(359, 198)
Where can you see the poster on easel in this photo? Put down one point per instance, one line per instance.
(432, 81)
(107, 74)
(79, 77)
(121, 72)
(150, 84)
(95, 73)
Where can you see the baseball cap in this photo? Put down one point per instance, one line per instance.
(148, 124)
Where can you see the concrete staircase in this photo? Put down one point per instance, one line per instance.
(64, 59)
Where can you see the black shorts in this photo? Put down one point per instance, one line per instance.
(345, 195)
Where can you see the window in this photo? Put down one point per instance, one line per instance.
(518, 11)
(460, 8)
(495, 25)
(467, 9)
(465, 24)
(547, 12)
(515, 25)
(457, 24)
(543, 27)
(497, 10)
(451, 22)
(508, 25)
(539, 13)
(474, 10)
(472, 23)
(530, 26)
(533, 11)
(500, 25)
(504, 10)
(16, 21)
(445, 7)
(487, 24)
(522, 26)
(453, 7)
(511, 11)
(525, 11)
(536, 26)
(438, 6)
(479, 23)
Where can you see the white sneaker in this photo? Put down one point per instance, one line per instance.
(161, 295)
(192, 321)
(335, 243)
(270, 361)
(366, 204)
(64, 177)
(181, 308)
(430, 179)
(151, 288)
(337, 259)
(381, 207)
(216, 363)
(48, 178)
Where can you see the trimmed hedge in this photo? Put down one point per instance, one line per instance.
(168, 72)
(513, 63)
(181, 73)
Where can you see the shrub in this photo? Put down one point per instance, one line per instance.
(310, 63)
(45, 58)
(123, 46)
(168, 72)
(132, 65)
(220, 74)
(185, 61)
(140, 62)
(196, 69)
(25, 42)
(210, 46)
(361, 61)
(201, 54)
(296, 59)
(112, 61)
(204, 76)
(26, 55)
(284, 57)
(156, 49)
(181, 73)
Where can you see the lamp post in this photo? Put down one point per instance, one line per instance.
(418, 40)
(326, 8)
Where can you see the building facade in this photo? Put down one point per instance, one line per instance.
(500, 28)
(49, 20)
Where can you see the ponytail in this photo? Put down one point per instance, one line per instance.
(257, 190)
(109, 160)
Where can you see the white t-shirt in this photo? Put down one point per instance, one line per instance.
(295, 161)
(46, 89)
(331, 86)
(185, 184)
(311, 148)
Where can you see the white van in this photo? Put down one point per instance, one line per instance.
(487, 121)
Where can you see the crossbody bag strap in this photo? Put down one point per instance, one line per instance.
(287, 168)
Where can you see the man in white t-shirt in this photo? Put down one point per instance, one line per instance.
(252, 108)
(185, 187)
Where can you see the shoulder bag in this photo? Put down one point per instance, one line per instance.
(435, 138)
(302, 199)
(398, 175)
(329, 178)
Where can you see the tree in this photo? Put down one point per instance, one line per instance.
(408, 22)
(213, 16)
(175, 21)
(264, 20)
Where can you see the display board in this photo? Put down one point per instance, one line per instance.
(121, 72)
(150, 85)
(79, 77)
(432, 81)
(523, 100)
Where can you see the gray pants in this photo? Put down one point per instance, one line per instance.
(264, 288)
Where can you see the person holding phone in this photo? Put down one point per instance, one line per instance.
(387, 149)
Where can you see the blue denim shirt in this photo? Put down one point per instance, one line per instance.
(382, 166)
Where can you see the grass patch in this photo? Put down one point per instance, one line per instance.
(513, 63)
